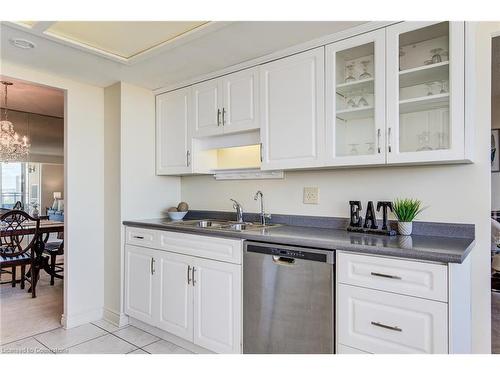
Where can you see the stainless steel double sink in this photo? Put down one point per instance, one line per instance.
(223, 225)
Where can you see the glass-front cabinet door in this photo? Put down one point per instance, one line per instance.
(425, 92)
(355, 100)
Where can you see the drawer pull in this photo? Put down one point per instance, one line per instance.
(139, 237)
(395, 328)
(385, 275)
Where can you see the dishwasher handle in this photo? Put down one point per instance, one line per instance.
(287, 255)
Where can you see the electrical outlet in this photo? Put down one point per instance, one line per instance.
(311, 195)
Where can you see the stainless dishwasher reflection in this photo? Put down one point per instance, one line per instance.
(288, 299)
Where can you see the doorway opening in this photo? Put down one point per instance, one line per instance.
(35, 184)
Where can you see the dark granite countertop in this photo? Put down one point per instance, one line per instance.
(419, 247)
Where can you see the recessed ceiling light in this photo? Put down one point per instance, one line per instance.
(22, 43)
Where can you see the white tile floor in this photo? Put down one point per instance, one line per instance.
(94, 338)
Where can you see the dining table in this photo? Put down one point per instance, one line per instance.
(45, 229)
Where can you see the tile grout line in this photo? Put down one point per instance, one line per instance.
(72, 346)
(34, 338)
(138, 347)
(27, 337)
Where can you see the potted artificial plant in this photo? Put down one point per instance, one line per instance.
(406, 210)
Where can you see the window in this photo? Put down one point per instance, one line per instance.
(19, 182)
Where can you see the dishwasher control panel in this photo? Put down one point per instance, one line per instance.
(289, 252)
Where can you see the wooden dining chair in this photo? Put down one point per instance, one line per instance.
(18, 238)
(18, 206)
(53, 249)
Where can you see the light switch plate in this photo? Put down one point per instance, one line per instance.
(311, 195)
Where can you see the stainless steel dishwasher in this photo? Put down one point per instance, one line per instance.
(288, 299)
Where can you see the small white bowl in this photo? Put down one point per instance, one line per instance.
(176, 215)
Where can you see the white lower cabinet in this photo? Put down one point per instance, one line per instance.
(217, 305)
(139, 288)
(392, 306)
(381, 322)
(193, 298)
(175, 294)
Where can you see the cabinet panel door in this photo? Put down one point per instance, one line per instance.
(355, 100)
(173, 140)
(425, 92)
(175, 294)
(388, 323)
(217, 306)
(241, 102)
(292, 111)
(139, 280)
(207, 108)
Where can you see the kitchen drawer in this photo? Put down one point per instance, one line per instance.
(381, 322)
(418, 279)
(343, 349)
(141, 237)
(216, 248)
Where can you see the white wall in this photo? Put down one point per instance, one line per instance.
(112, 202)
(52, 179)
(132, 190)
(144, 195)
(84, 154)
(453, 193)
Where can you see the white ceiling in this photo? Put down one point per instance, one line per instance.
(219, 45)
(27, 97)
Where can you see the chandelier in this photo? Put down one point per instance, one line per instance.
(12, 147)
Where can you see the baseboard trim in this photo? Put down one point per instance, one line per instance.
(75, 320)
(116, 318)
(169, 337)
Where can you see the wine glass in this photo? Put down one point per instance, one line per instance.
(441, 140)
(365, 74)
(436, 57)
(350, 102)
(423, 140)
(444, 88)
(401, 54)
(354, 149)
(429, 88)
(350, 73)
(362, 102)
(370, 147)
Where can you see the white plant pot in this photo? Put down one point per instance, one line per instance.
(405, 227)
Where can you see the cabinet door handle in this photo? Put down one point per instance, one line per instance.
(389, 139)
(223, 116)
(192, 276)
(392, 328)
(378, 140)
(218, 117)
(152, 266)
(261, 152)
(188, 161)
(189, 279)
(385, 275)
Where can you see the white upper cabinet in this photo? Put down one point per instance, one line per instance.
(395, 95)
(425, 92)
(173, 140)
(226, 105)
(207, 108)
(241, 101)
(355, 100)
(292, 111)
